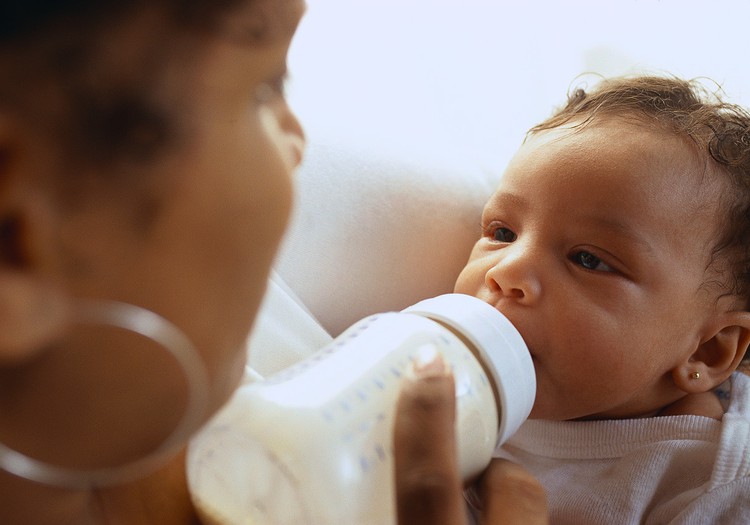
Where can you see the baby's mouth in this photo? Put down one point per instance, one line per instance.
(509, 316)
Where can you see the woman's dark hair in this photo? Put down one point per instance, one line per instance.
(22, 18)
(55, 77)
(720, 132)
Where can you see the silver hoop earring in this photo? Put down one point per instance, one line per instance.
(156, 328)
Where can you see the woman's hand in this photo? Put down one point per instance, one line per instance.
(509, 494)
(428, 484)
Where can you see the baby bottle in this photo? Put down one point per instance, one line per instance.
(311, 445)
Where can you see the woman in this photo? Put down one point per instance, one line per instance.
(146, 151)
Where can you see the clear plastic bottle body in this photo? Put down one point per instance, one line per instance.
(312, 445)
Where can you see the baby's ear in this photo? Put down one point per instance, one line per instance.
(717, 356)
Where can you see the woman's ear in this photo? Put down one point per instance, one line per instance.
(717, 356)
(32, 310)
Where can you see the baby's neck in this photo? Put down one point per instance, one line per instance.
(704, 404)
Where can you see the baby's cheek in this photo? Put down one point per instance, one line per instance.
(460, 286)
(469, 281)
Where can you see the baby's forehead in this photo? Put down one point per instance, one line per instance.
(607, 143)
(608, 130)
(623, 167)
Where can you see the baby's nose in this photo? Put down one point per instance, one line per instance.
(515, 275)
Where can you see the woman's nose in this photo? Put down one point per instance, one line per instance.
(297, 140)
(515, 274)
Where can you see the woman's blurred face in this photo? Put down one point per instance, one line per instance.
(202, 261)
(206, 260)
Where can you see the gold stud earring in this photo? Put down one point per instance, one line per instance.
(695, 375)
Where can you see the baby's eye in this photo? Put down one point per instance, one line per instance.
(504, 235)
(590, 261)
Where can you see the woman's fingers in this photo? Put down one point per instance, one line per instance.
(428, 483)
(510, 495)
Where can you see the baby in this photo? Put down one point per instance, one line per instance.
(618, 243)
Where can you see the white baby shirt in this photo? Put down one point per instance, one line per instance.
(660, 470)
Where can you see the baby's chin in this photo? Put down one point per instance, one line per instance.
(553, 411)
(539, 411)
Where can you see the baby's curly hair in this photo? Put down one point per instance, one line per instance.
(719, 130)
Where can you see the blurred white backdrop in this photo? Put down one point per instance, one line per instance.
(466, 78)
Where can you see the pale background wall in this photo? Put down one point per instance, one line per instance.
(466, 78)
(413, 108)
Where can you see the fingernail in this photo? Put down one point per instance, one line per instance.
(428, 362)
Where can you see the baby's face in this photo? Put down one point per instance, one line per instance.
(595, 246)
